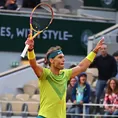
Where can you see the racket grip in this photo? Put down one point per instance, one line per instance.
(24, 51)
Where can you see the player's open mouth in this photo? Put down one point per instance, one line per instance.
(62, 64)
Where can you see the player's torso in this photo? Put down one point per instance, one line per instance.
(53, 96)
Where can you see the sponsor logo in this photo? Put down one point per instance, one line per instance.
(84, 37)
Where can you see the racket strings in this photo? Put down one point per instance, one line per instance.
(38, 22)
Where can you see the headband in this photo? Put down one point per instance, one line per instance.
(54, 54)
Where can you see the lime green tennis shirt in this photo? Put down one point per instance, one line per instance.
(53, 93)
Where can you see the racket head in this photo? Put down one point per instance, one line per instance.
(36, 23)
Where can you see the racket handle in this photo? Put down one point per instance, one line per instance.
(24, 51)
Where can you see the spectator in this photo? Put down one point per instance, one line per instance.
(69, 89)
(70, 86)
(2, 2)
(10, 5)
(80, 95)
(111, 97)
(107, 68)
(115, 55)
(30, 3)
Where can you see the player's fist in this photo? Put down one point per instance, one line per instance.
(30, 42)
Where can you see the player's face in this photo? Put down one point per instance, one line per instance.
(58, 61)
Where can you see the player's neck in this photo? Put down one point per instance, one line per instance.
(54, 70)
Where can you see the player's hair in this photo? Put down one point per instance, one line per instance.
(50, 50)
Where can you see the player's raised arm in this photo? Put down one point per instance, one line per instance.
(85, 63)
(32, 58)
(37, 24)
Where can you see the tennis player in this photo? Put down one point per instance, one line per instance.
(53, 81)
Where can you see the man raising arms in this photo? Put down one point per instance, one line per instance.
(53, 81)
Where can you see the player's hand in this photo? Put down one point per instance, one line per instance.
(30, 42)
(99, 45)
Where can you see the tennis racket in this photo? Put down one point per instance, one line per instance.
(37, 24)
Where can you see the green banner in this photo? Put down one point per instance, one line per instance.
(69, 34)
